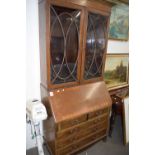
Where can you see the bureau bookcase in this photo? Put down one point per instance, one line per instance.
(73, 38)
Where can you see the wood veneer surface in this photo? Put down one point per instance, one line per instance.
(72, 102)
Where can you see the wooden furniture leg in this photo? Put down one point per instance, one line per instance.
(112, 119)
(117, 109)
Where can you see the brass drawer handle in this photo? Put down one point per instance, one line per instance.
(95, 129)
(99, 112)
(75, 122)
(74, 130)
(94, 137)
(74, 147)
(73, 139)
(97, 120)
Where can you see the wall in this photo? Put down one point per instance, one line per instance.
(33, 60)
(118, 46)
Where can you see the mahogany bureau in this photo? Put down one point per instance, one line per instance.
(83, 121)
(73, 36)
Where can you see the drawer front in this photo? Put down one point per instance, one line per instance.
(98, 113)
(82, 143)
(70, 123)
(68, 150)
(99, 119)
(86, 132)
(80, 128)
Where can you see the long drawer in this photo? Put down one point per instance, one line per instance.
(72, 122)
(83, 118)
(81, 144)
(73, 138)
(98, 113)
(79, 128)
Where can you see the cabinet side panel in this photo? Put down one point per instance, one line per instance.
(44, 92)
(42, 42)
(49, 133)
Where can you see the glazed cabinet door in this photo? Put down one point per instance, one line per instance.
(65, 42)
(95, 45)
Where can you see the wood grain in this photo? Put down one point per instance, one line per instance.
(79, 100)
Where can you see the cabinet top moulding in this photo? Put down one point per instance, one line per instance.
(98, 5)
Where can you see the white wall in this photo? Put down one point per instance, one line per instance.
(33, 60)
(118, 46)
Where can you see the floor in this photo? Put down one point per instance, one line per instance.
(113, 145)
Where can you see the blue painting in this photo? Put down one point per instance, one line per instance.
(119, 22)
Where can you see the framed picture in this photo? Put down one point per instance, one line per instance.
(119, 22)
(116, 70)
(126, 120)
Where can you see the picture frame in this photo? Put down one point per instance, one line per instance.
(116, 70)
(119, 23)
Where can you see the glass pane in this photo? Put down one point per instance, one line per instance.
(64, 44)
(95, 45)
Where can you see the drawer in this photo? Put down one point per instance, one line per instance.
(80, 128)
(98, 120)
(72, 122)
(98, 113)
(68, 150)
(98, 135)
(82, 143)
(61, 143)
(69, 132)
